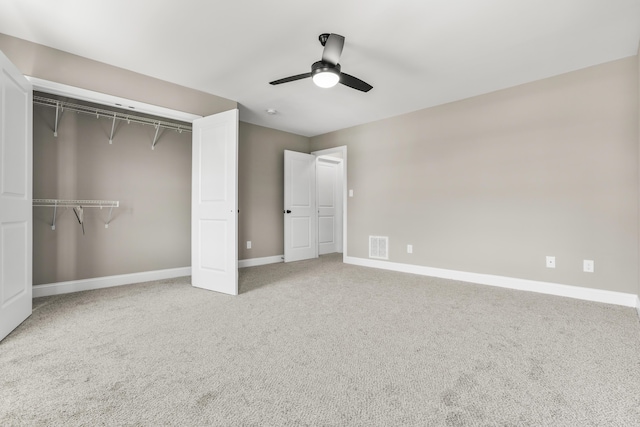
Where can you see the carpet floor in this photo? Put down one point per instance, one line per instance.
(321, 343)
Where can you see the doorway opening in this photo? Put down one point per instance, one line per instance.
(315, 211)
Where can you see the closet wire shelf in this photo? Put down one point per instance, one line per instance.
(61, 106)
(77, 205)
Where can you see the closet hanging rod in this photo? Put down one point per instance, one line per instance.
(64, 105)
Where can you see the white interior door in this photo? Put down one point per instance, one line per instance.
(329, 185)
(16, 159)
(299, 206)
(214, 208)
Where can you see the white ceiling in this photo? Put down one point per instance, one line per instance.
(416, 54)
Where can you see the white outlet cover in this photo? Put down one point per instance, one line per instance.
(588, 266)
(409, 249)
(551, 262)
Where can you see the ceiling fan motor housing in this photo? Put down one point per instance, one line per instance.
(324, 67)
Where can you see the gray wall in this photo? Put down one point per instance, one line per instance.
(151, 228)
(494, 183)
(261, 188)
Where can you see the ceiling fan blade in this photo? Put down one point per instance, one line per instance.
(333, 49)
(290, 79)
(354, 82)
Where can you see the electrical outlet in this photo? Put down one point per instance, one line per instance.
(248, 244)
(587, 265)
(350, 193)
(551, 262)
(409, 249)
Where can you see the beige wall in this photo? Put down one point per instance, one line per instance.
(261, 188)
(61, 67)
(151, 228)
(494, 183)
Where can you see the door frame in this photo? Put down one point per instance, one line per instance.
(343, 151)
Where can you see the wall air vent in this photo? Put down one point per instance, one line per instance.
(379, 247)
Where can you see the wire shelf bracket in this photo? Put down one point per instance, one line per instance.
(113, 127)
(59, 111)
(155, 138)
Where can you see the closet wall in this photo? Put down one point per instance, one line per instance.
(151, 228)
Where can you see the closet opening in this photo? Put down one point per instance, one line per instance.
(113, 181)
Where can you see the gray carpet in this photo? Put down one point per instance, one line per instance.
(325, 344)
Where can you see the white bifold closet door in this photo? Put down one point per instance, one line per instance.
(214, 208)
(16, 164)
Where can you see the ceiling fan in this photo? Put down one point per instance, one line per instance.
(326, 72)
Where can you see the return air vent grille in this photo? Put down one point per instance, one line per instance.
(379, 247)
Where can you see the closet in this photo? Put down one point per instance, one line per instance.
(111, 190)
(132, 165)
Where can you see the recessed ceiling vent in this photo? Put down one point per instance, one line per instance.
(379, 247)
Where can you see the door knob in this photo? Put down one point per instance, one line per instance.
(287, 211)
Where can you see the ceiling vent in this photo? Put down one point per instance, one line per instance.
(379, 247)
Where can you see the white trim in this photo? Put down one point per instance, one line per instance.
(638, 305)
(107, 282)
(598, 295)
(110, 100)
(252, 262)
(342, 149)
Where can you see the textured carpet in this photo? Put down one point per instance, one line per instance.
(321, 343)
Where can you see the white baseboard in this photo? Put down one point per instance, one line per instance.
(252, 262)
(598, 295)
(107, 282)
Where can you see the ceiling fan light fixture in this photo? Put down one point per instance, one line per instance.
(325, 75)
(326, 79)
